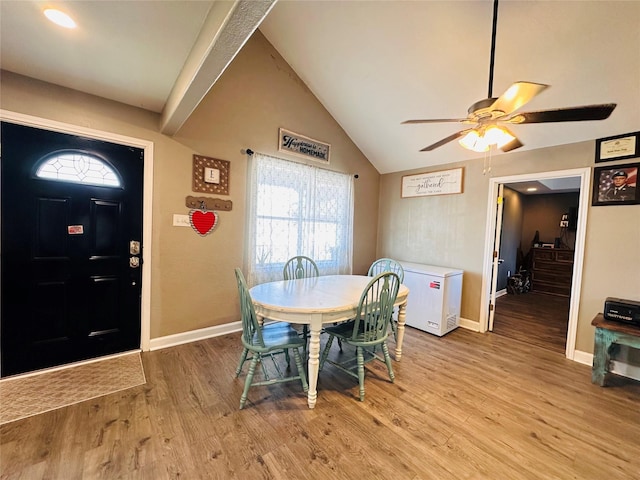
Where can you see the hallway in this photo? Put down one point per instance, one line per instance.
(534, 318)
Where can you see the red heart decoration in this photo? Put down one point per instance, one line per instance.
(203, 222)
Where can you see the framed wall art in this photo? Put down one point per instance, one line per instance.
(210, 175)
(619, 147)
(443, 182)
(616, 185)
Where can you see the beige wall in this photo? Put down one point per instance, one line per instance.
(449, 230)
(542, 213)
(192, 279)
(193, 285)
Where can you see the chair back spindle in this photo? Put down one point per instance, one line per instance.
(386, 265)
(376, 308)
(300, 266)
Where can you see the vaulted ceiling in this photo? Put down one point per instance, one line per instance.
(372, 64)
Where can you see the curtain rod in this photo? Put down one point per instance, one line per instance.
(248, 151)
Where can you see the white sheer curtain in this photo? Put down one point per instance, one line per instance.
(297, 209)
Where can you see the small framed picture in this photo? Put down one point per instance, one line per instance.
(616, 185)
(210, 175)
(620, 147)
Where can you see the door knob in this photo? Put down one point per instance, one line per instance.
(134, 247)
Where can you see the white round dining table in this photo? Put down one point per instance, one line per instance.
(317, 301)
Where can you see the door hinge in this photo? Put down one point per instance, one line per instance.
(491, 307)
(495, 254)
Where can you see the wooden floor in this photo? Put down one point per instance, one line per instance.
(464, 406)
(535, 318)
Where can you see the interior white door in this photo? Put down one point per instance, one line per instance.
(496, 255)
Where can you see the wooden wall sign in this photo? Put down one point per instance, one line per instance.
(208, 203)
(210, 175)
(303, 146)
(433, 183)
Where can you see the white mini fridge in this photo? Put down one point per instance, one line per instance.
(435, 295)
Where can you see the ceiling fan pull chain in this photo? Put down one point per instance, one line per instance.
(487, 163)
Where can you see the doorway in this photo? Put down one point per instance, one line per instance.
(72, 275)
(489, 296)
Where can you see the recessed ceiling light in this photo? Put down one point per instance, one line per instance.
(532, 189)
(59, 18)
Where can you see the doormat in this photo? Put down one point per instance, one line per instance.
(30, 395)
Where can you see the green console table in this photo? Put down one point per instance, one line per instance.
(609, 336)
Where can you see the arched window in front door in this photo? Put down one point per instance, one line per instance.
(75, 166)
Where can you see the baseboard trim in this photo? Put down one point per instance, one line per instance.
(470, 324)
(194, 335)
(583, 357)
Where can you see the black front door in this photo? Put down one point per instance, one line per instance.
(71, 248)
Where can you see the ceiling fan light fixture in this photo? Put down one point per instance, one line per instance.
(59, 18)
(474, 141)
(495, 135)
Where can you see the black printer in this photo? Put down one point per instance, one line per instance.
(622, 310)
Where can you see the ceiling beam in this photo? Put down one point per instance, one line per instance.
(225, 30)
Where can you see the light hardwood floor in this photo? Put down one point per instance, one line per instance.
(535, 318)
(464, 406)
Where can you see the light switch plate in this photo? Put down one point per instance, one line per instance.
(181, 220)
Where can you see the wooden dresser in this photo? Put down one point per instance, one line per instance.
(552, 270)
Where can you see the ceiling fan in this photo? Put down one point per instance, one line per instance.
(488, 115)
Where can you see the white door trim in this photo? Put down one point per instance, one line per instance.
(576, 285)
(147, 210)
(495, 262)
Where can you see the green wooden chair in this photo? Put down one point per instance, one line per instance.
(266, 342)
(368, 330)
(301, 267)
(388, 265)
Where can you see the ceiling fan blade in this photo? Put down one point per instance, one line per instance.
(516, 96)
(571, 114)
(446, 140)
(513, 144)
(434, 120)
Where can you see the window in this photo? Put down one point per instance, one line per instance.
(297, 209)
(78, 167)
